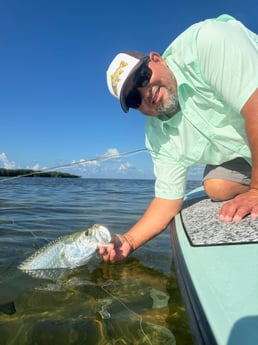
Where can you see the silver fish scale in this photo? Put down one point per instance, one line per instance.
(68, 251)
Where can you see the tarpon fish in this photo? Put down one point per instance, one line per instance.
(68, 251)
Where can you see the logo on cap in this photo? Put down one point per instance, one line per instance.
(115, 78)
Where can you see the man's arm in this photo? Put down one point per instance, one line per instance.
(156, 218)
(250, 113)
(246, 203)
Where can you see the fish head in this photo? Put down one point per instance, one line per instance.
(80, 249)
(84, 244)
(100, 234)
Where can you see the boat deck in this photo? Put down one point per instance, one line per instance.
(207, 229)
(217, 267)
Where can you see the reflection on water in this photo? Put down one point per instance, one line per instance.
(114, 304)
(136, 301)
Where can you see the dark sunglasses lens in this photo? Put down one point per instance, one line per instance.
(142, 78)
(134, 99)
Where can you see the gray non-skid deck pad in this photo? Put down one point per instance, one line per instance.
(203, 227)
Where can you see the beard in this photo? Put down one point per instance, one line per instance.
(172, 105)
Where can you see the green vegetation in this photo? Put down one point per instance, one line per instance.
(33, 173)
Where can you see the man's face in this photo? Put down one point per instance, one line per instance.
(159, 96)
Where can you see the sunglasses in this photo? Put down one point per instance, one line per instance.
(141, 78)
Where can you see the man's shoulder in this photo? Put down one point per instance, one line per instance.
(215, 29)
(191, 34)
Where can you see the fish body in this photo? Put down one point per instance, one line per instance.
(68, 251)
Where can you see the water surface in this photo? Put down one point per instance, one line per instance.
(136, 301)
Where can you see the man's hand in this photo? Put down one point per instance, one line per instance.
(118, 249)
(155, 219)
(239, 207)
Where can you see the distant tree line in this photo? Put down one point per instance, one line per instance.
(33, 173)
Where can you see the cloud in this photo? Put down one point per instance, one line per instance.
(125, 166)
(7, 164)
(112, 152)
(5, 161)
(36, 167)
(109, 164)
(83, 162)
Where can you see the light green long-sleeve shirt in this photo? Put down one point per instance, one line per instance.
(215, 63)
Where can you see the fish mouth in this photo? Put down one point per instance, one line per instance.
(90, 231)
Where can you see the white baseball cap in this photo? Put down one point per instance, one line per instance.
(120, 75)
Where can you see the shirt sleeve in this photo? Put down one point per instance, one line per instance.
(228, 58)
(170, 180)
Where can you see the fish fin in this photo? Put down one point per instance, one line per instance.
(8, 308)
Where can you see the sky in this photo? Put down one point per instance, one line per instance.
(54, 103)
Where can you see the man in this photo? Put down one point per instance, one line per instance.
(201, 99)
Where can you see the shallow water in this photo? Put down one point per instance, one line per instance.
(136, 301)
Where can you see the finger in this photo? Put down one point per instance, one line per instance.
(253, 215)
(112, 256)
(254, 212)
(105, 251)
(227, 212)
(102, 251)
(240, 214)
(106, 256)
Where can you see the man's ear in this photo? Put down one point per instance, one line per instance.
(156, 57)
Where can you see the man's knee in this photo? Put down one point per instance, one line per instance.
(221, 190)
